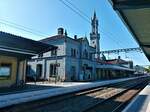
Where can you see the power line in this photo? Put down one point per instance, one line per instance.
(20, 27)
(16, 27)
(116, 35)
(37, 31)
(104, 33)
(109, 37)
(29, 30)
(81, 15)
(75, 9)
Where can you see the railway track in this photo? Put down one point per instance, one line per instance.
(118, 102)
(75, 102)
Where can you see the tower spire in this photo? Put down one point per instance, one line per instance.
(94, 14)
(94, 23)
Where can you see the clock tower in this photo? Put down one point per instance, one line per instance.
(95, 36)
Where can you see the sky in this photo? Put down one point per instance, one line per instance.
(38, 19)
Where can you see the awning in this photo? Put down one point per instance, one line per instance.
(21, 47)
(136, 16)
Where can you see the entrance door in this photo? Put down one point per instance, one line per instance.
(39, 70)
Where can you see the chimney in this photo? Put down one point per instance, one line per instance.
(75, 36)
(119, 57)
(60, 31)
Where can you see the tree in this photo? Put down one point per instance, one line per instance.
(147, 69)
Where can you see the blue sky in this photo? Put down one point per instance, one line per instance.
(46, 16)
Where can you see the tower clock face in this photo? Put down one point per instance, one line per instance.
(93, 43)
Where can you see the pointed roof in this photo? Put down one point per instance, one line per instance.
(94, 17)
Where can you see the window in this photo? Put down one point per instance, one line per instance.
(73, 52)
(5, 70)
(53, 52)
(52, 69)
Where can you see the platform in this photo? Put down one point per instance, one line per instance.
(141, 103)
(56, 89)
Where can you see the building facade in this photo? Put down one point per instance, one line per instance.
(121, 62)
(73, 57)
(76, 59)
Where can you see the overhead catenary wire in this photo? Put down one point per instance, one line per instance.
(23, 27)
(72, 7)
(90, 22)
(76, 10)
(114, 40)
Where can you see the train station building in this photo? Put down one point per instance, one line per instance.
(78, 59)
(14, 51)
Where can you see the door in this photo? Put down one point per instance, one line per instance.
(39, 70)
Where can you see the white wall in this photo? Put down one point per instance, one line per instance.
(61, 68)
